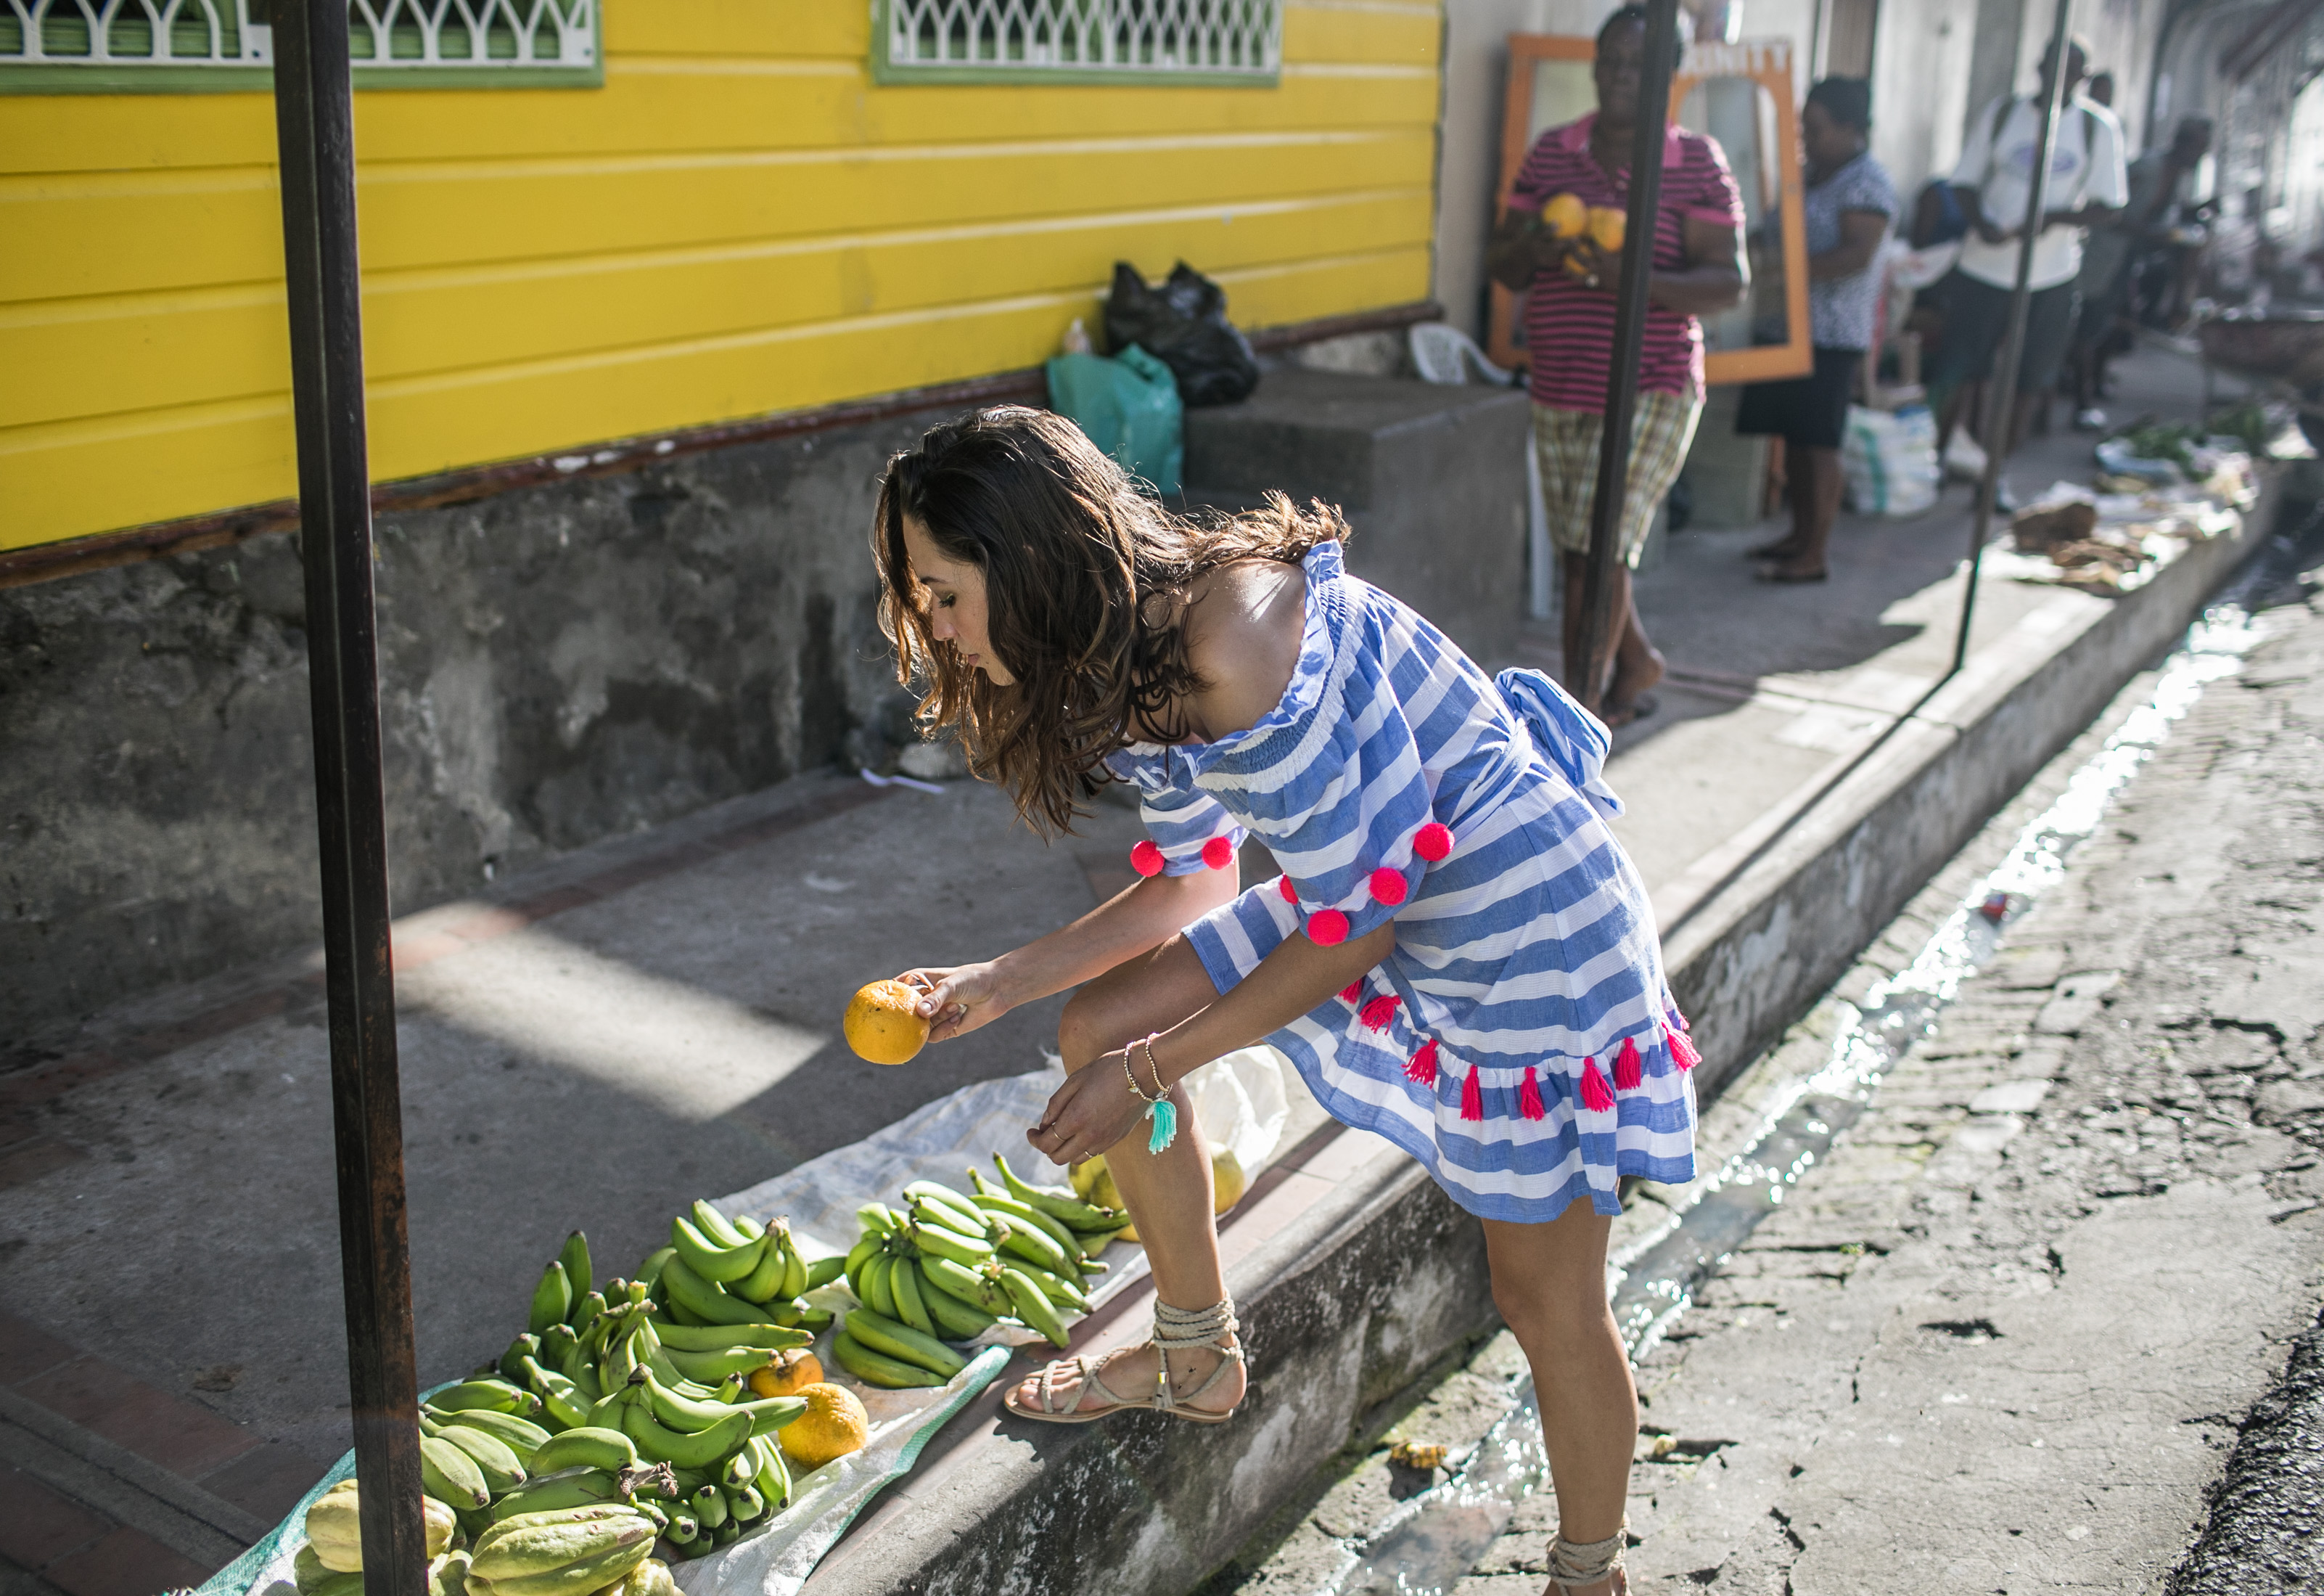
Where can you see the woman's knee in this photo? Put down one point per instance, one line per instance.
(1096, 1021)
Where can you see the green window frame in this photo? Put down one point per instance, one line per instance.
(196, 46)
(1183, 42)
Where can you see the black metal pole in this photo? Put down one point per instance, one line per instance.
(315, 128)
(2013, 342)
(1585, 665)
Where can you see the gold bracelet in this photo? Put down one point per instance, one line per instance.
(1161, 1090)
(1130, 1075)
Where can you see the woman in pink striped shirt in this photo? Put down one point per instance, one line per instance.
(1569, 285)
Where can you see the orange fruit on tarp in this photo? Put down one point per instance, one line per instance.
(833, 1425)
(1565, 215)
(1607, 227)
(790, 1373)
(882, 1024)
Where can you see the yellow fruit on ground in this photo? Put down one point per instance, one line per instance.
(1565, 216)
(883, 1024)
(833, 1425)
(1084, 1176)
(1094, 1183)
(790, 1373)
(1228, 1180)
(1607, 227)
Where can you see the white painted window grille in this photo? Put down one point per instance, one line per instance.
(1031, 39)
(448, 36)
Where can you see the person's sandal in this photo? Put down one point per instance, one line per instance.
(1579, 1565)
(1174, 1330)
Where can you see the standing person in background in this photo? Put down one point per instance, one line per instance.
(1569, 285)
(2112, 252)
(1849, 203)
(1995, 181)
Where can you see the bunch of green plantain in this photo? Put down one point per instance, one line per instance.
(643, 1388)
(949, 1265)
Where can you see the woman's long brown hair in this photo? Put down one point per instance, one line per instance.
(1085, 582)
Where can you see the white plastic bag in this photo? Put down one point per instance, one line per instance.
(1890, 460)
(1242, 1103)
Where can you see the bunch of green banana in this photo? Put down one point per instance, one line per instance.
(947, 1266)
(746, 1493)
(721, 1272)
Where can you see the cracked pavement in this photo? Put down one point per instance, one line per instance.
(2027, 1327)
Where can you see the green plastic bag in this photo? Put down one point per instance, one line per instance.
(1128, 406)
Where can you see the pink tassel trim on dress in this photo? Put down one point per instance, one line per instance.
(1473, 1097)
(1629, 1069)
(1596, 1095)
(1422, 1067)
(1529, 1102)
(1379, 1011)
(1682, 1050)
(1352, 991)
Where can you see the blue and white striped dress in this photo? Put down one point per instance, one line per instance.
(1521, 1041)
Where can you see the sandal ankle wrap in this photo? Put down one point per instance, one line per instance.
(1585, 1563)
(1174, 1330)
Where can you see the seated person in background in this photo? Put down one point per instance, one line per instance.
(2112, 254)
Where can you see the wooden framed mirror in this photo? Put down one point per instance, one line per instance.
(1740, 94)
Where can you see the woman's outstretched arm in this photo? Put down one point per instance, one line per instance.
(1092, 1109)
(1135, 920)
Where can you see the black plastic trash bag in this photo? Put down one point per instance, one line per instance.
(1184, 324)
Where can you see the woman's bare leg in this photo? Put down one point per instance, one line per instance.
(1549, 1282)
(1168, 1193)
(1815, 486)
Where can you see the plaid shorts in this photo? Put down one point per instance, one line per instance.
(1660, 429)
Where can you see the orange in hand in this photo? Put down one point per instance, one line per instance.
(1607, 228)
(883, 1023)
(1565, 215)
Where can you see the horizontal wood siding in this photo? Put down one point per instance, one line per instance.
(738, 223)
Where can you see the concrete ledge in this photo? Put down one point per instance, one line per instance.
(1356, 1273)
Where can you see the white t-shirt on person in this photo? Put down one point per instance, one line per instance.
(2085, 168)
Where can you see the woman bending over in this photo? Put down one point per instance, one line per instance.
(1458, 955)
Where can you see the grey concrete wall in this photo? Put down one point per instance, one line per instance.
(557, 665)
(1433, 480)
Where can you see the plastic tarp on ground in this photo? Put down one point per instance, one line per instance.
(1242, 1103)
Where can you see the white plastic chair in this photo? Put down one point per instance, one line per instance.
(1443, 353)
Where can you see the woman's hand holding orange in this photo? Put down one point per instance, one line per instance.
(959, 997)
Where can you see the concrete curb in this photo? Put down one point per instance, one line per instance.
(1383, 1274)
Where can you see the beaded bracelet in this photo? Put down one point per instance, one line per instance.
(1159, 1109)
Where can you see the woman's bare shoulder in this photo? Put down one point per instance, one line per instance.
(1243, 634)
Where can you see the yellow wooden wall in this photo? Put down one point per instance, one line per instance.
(739, 221)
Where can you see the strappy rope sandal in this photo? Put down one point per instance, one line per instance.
(1174, 1330)
(1578, 1565)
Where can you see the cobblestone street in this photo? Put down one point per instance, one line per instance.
(2009, 1333)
